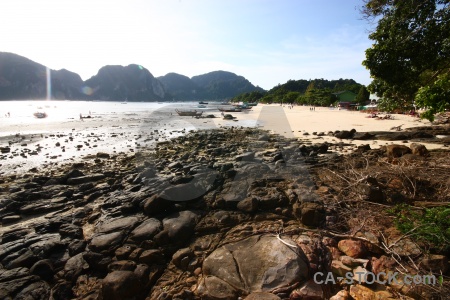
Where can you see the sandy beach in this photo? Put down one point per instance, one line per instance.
(43, 143)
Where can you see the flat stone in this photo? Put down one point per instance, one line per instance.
(258, 264)
(85, 179)
(212, 287)
(106, 242)
(112, 225)
(146, 230)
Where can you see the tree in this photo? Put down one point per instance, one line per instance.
(411, 51)
(363, 95)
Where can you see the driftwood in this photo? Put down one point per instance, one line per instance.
(427, 204)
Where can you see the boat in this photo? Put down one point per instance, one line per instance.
(40, 115)
(201, 106)
(192, 113)
(225, 103)
(229, 109)
(243, 106)
(201, 102)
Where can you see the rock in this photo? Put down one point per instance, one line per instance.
(62, 290)
(257, 264)
(39, 290)
(435, 263)
(419, 149)
(359, 292)
(363, 136)
(146, 230)
(106, 242)
(406, 247)
(180, 226)
(201, 183)
(341, 295)
(156, 205)
(26, 259)
(396, 150)
(76, 246)
(119, 224)
(119, 285)
(339, 269)
(11, 219)
(262, 296)
(360, 275)
(122, 265)
(85, 179)
(103, 155)
(344, 134)
(249, 205)
(71, 230)
(124, 251)
(309, 213)
(74, 267)
(43, 269)
(372, 193)
(310, 290)
(355, 249)
(179, 257)
(383, 264)
(269, 198)
(245, 156)
(214, 288)
(353, 262)
(152, 256)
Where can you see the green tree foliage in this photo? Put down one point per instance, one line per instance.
(251, 97)
(317, 92)
(411, 52)
(363, 95)
(430, 227)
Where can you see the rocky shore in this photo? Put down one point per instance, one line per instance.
(218, 214)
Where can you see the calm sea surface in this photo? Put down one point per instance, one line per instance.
(21, 112)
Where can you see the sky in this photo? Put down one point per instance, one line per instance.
(267, 41)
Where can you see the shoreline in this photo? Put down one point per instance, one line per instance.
(52, 143)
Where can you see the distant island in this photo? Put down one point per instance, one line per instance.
(22, 78)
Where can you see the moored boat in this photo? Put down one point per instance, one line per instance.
(201, 102)
(40, 115)
(229, 109)
(192, 113)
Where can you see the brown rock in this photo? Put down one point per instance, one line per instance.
(310, 290)
(119, 285)
(397, 150)
(338, 268)
(152, 256)
(341, 295)
(359, 292)
(355, 249)
(310, 213)
(382, 264)
(435, 263)
(419, 149)
(262, 296)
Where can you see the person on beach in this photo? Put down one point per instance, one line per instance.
(81, 117)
